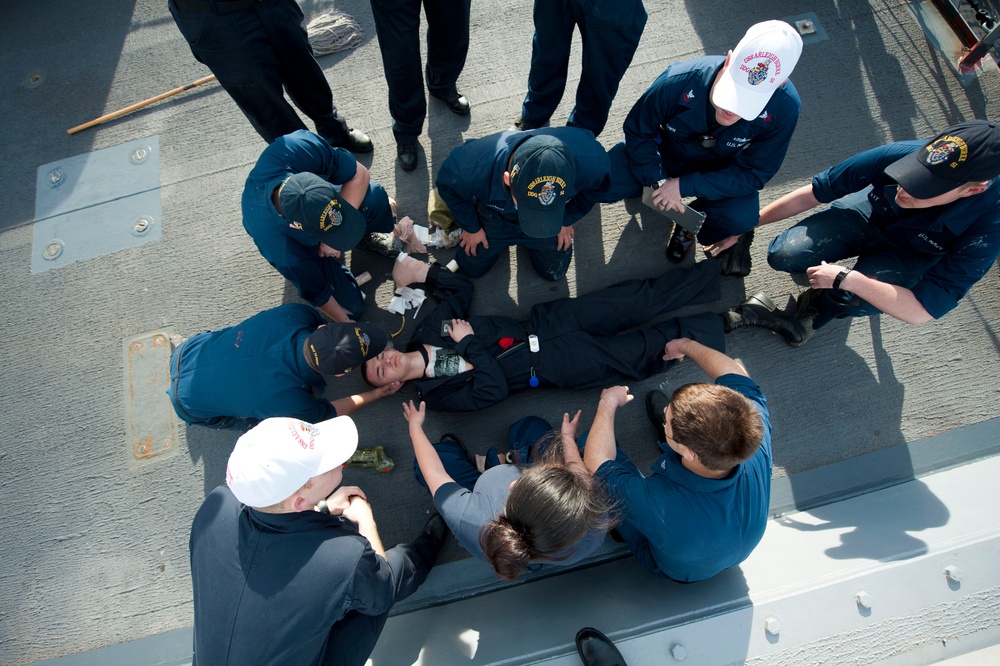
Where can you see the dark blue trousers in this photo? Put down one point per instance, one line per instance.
(610, 32)
(591, 341)
(522, 438)
(839, 232)
(397, 24)
(723, 217)
(549, 262)
(216, 422)
(346, 290)
(254, 52)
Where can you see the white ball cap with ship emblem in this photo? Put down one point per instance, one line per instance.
(760, 63)
(275, 458)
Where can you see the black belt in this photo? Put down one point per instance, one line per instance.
(217, 6)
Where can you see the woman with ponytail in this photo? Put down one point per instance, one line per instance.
(541, 507)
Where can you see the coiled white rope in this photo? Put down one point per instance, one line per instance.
(333, 31)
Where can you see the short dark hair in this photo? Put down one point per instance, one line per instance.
(550, 508)
(364, 375)
(720, 425)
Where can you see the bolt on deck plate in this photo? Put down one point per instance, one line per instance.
(34, 79)
(808, 27)
(97, 203)
(151, 426)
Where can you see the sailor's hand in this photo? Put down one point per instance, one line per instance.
(470, 241)
(668, 196)
(338, 502)
(389, 389)
(569, 428)
(325, 250)
(616, 396)
(565, 239)
(415, 415)
(674, 351)
(715, 249)
(459, 328)
(358, 511)
(822, 276)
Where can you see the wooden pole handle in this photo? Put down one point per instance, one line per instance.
(138, 105)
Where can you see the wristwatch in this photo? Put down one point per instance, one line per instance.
(840, 277)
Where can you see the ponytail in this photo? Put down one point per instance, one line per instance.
(549, 510)
(505, 547)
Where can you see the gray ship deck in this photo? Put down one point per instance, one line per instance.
(95, 546)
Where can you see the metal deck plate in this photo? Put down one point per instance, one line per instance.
(809, 27)
(97, 203)
(150, 423)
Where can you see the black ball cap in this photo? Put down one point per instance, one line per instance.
(340, 347)
(965, 153)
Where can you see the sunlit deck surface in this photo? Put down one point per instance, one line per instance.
(95, 545)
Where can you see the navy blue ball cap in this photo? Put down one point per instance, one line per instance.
(340, 347)
(965, 153)
(543, 180)
(315, 206)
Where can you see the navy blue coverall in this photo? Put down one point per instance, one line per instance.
(292, 252)
(938, 253)
(240, 375)
(255, 48)
(308, 582)
(471, 183)
(584, 342)
(610, 31)
(664, 139)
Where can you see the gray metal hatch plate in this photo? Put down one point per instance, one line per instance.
(93, 204)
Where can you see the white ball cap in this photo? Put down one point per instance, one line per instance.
(274, 459)
(761, 62)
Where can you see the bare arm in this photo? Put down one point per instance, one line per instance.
(571, 454)
(355, 190)
(600, 446)
(889, 298)
(427, 457)
(334, 311)
(713, 363)
(351, 404)
(793, 203)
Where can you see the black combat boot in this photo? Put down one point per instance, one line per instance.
(759, 311)
(736, 260)
(806, 309)
(656, 408)
(596, 649)
(680, 243)
(380, 243)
